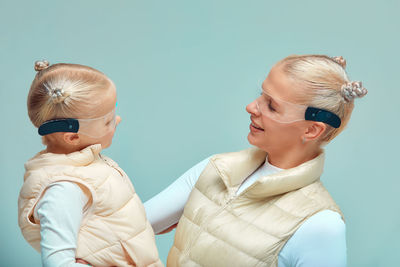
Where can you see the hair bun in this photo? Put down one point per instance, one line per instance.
(340, 60)
(353, 90)
(41, 65)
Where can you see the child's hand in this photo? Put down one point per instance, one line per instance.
(168, 229)
(83, 262)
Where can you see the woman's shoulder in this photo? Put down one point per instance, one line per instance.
(326, 223)
(321, 238)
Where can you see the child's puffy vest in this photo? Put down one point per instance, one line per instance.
(219, 228)
(114, 229)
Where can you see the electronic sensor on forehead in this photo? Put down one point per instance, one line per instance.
(321, 115)
(59, 125)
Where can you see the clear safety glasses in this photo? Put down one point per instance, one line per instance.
(279, 110)
(94, 127)
(98, 127)
(285, 112)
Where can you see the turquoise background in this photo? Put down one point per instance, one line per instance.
(185, 71)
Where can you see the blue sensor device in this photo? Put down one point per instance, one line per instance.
(59, 125)
(322, 115)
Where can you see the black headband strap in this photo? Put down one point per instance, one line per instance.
(59, 125)
(322, 115)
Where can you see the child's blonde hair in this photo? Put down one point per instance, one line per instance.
(65, 91)
(326, 86)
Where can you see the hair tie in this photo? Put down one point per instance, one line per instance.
(41, 65)
(351, 90)
(57, 95)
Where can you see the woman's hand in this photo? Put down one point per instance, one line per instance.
(168, 229)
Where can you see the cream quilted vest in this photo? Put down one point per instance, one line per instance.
(221, 229)
(114, 229)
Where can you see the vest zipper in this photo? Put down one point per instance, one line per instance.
(205, 222)
(120, 171)
(202, 226)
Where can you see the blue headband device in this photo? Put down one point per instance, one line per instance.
(322, 115)
(72, 125)
(59, 125)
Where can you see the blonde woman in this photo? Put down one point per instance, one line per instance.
(266, 206)
(76, 202)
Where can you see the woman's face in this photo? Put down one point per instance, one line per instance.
(266, 132)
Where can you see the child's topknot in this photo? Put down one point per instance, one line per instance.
(41, 65)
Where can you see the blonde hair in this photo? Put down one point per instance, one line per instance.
(325, 84)
(65, 91)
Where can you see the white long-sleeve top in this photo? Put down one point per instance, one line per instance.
(60, 212)
(320, 241)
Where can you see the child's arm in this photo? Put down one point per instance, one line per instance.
(60, 212)
(165, 209)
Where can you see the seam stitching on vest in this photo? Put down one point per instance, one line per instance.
(116, 243)
(330, 206)
(251, 256)
(241, 219)
(102, 182)
(126, 203)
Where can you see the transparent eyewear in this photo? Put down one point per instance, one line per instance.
(98, 127)
(280, 110)
(285, 112)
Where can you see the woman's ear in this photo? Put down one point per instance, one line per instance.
(71, 138)
(314, 131)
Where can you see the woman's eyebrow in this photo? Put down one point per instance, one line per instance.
(274, 102)
(272, 99)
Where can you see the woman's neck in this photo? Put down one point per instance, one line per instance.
(293, 157)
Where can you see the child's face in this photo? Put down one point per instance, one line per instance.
(106, 107)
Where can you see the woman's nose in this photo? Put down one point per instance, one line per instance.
(252, 108)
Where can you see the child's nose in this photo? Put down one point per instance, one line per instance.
(117, 120)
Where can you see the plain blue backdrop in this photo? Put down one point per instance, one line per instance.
(185, 71)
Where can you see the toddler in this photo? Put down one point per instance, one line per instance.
(76, 203)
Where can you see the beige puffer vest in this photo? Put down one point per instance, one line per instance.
(114, 229)
(221, 229)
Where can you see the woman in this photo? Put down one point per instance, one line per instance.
(266, 206)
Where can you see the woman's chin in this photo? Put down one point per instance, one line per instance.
(251, 138)
(255, 140)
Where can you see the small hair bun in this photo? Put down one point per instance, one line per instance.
(340, 60)
(41, 65)
(353, 90)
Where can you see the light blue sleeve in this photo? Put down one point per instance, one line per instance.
(60, 212)
(320, 241)
(166, 208)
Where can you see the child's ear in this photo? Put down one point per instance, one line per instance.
(314, 131)
(71, 138)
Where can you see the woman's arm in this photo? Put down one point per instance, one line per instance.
(165, 209)
(60, 212)
(320, 241)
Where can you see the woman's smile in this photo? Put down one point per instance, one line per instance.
(255, 127)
